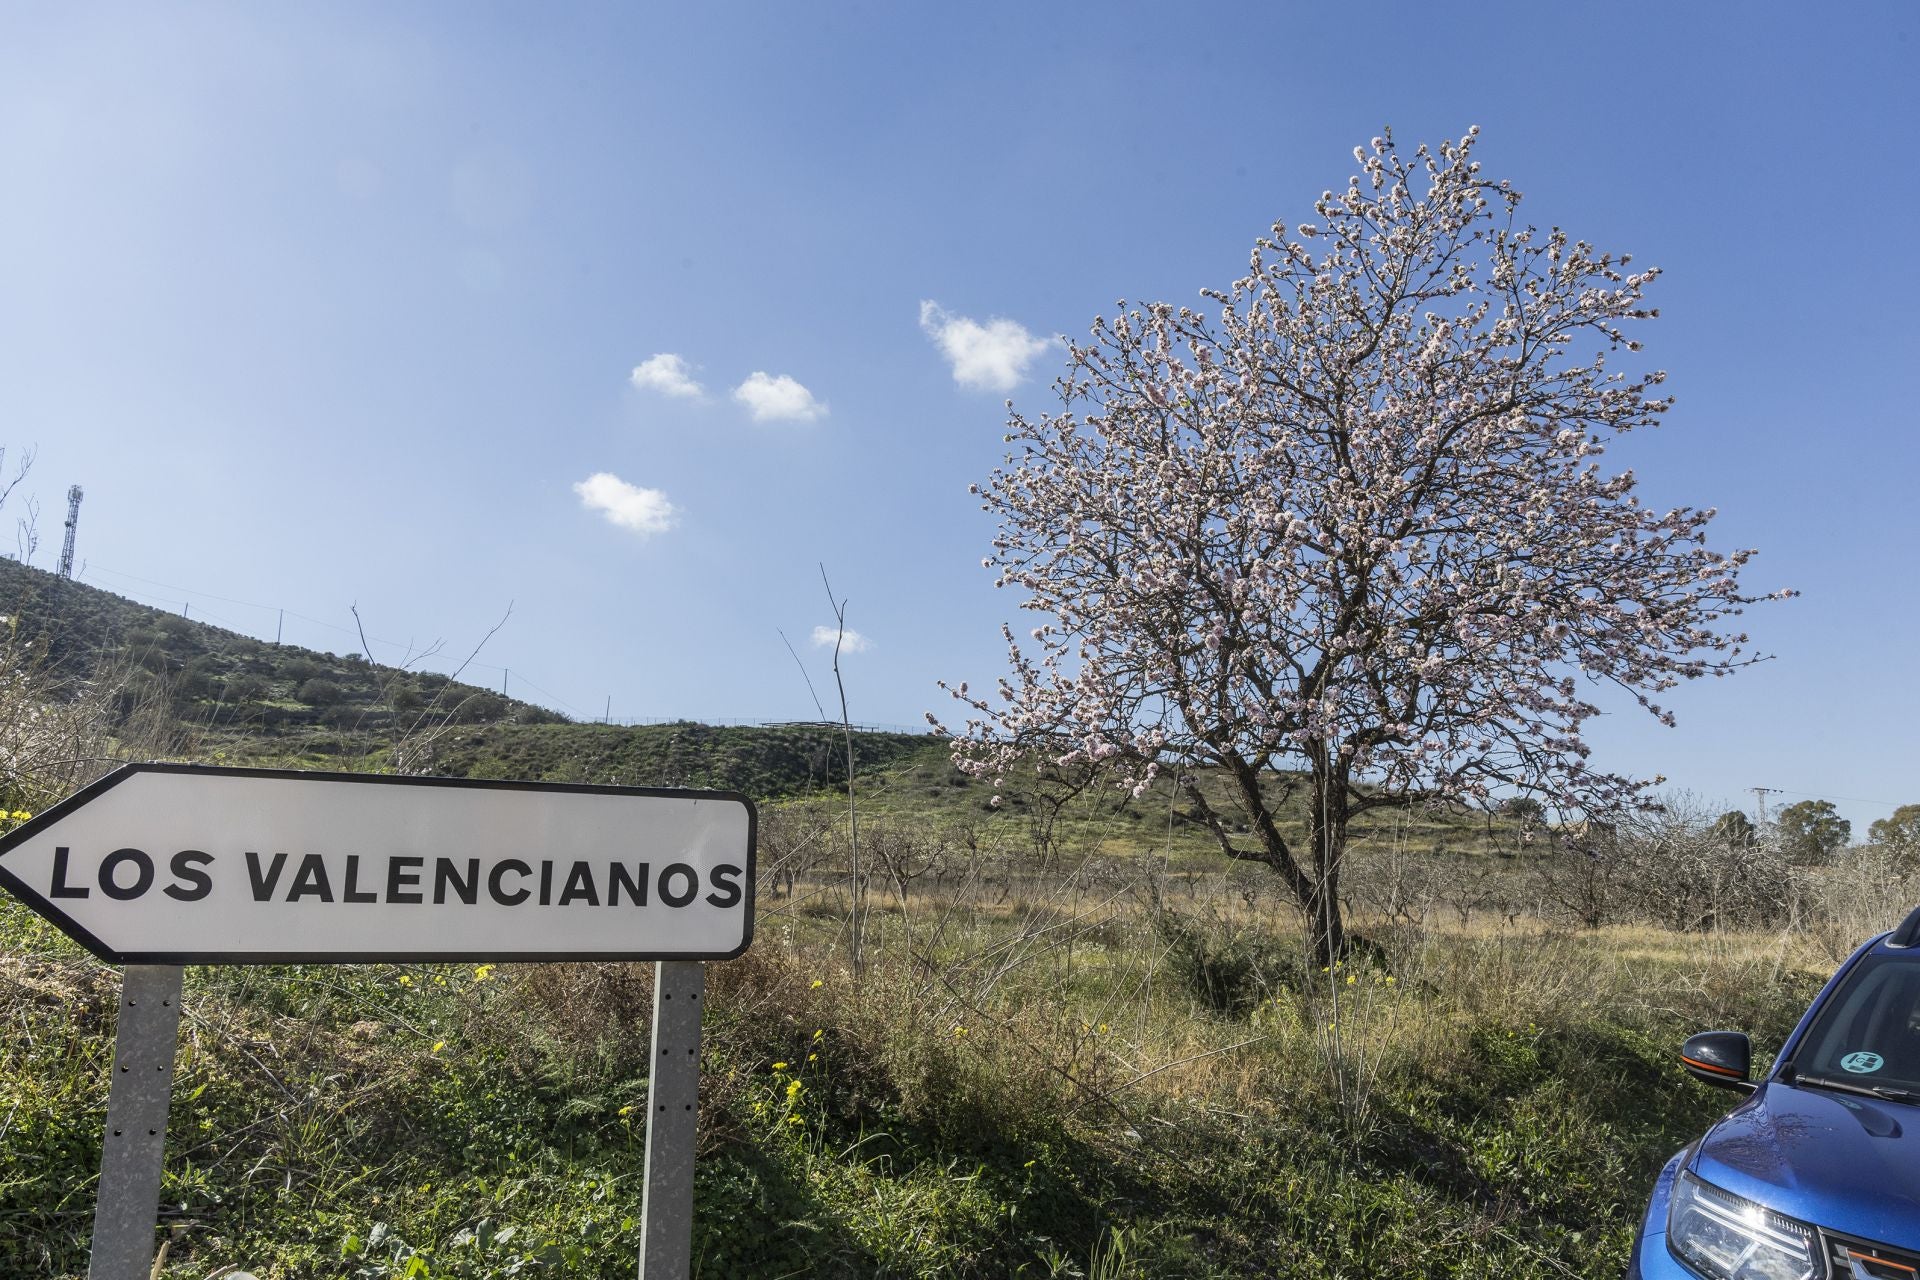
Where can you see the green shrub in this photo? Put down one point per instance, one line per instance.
(1228, 971)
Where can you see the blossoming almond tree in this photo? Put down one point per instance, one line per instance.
(1353, 525)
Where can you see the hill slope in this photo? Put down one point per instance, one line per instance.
(221, 681)
(213, 692)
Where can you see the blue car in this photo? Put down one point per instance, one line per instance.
(1816, 1175)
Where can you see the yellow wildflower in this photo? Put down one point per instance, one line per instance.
(438, 1045)
(481, 972)
(817, 984)
(779, 1066)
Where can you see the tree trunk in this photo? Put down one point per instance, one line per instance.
(1313, 877)
(1327, 836)
(1326, 930)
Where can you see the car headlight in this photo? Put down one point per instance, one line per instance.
(1724, 1237)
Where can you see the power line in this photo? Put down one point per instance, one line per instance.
(281, 613)
(171, 605)
(554, 696)
(278, 610)
(1810, 795)
(204, 595)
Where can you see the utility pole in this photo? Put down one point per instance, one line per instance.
(74, 495)
(1760, 803)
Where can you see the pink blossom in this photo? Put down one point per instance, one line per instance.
(1362, 533)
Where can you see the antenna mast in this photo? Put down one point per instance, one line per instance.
(73, 522)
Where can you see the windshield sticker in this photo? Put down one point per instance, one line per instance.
(1862, 1063)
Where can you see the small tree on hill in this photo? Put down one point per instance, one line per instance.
(1901, 828)
(1736, 830)
(320, 692)
(1354, 524)
(1523, 809)
(1812, 831)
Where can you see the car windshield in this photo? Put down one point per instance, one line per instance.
(1867, 1033)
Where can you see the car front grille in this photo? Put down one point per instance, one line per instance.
(1854, 1259)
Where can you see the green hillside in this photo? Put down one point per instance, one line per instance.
(222, 685)
(764, 762)
(188, 689)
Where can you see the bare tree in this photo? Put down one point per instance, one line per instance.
(792, 842)
(856, 943)
(1670, 864)
(26, 534)
(21, 466)
(54, 728)
(414, 733)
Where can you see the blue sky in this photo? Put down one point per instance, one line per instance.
(339, 303)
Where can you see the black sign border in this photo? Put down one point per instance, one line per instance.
(67, 925)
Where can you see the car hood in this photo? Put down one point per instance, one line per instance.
(1850, 1164)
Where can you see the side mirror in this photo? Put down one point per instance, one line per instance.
(1720, 1058)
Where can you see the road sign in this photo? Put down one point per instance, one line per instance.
(183, 864)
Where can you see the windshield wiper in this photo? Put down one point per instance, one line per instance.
(1890, 1092)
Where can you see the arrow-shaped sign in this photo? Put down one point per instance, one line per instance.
(185, 864)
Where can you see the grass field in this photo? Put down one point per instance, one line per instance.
(1111, 1065)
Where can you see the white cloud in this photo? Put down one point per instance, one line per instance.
(645, 511)
(772, 398)
(985, 357)
(669, 374)
(851, 641)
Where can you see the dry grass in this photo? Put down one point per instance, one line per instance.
(1066, 996)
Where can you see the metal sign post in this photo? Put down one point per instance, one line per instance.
(143, 1045)
(673, 1107)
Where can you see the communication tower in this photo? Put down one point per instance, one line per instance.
(73, 522)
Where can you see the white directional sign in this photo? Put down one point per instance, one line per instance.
(183, 864)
